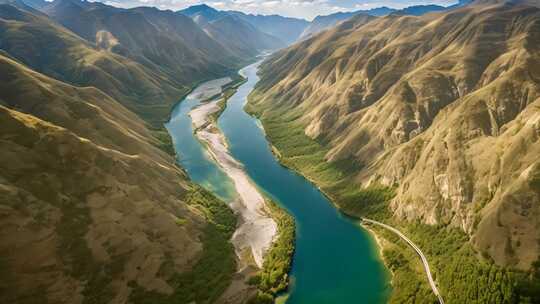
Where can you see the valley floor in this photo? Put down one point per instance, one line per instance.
(257, 229)
(418, 251)
(264, 237)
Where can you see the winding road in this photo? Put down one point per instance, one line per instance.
(418, 251)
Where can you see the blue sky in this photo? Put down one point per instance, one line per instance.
(296, 8)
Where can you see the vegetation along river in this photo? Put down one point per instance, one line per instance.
(336, 260)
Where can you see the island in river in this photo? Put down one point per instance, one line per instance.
(335, 260)
(257, 229)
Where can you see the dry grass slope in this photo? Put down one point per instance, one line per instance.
(446, 107)
(91, 210)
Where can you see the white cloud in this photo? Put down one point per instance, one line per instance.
(271, 3)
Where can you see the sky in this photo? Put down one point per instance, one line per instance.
(306, 9)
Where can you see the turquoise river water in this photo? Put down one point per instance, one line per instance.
(336, 260)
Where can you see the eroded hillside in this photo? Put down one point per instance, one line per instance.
(92, 209)
(144, 58)
(164, 40)
(443, 107)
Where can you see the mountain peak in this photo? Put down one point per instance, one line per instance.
(206, 13)
(201, 6)
(198, 9)
(65, 4)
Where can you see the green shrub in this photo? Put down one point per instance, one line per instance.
(254, 280)
(261, 298)
(273, 277)
(164, 141)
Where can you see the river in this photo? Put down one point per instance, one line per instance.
(336, 260)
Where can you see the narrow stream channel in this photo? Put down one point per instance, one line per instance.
(336, 261)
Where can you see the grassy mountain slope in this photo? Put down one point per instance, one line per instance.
(167, 41)
(46, 47)
(443, 108)
(87, 112)
(91, 209)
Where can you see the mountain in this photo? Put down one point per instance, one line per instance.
(48, 48)
(443, 109)
(23, 5)
(321, 23)
(286, 29)
(460, 3)
(202, 13)
(240, 37)
(144, 58)
(234, 33)
(172, 42)
(418, 10)
(36, 4)
(92, 209)
(269, 28)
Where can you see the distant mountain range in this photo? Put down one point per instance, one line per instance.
(262, 31)
(235, 33)
(321, 23)
(146, 47)
(285, 28)
(288, 30)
